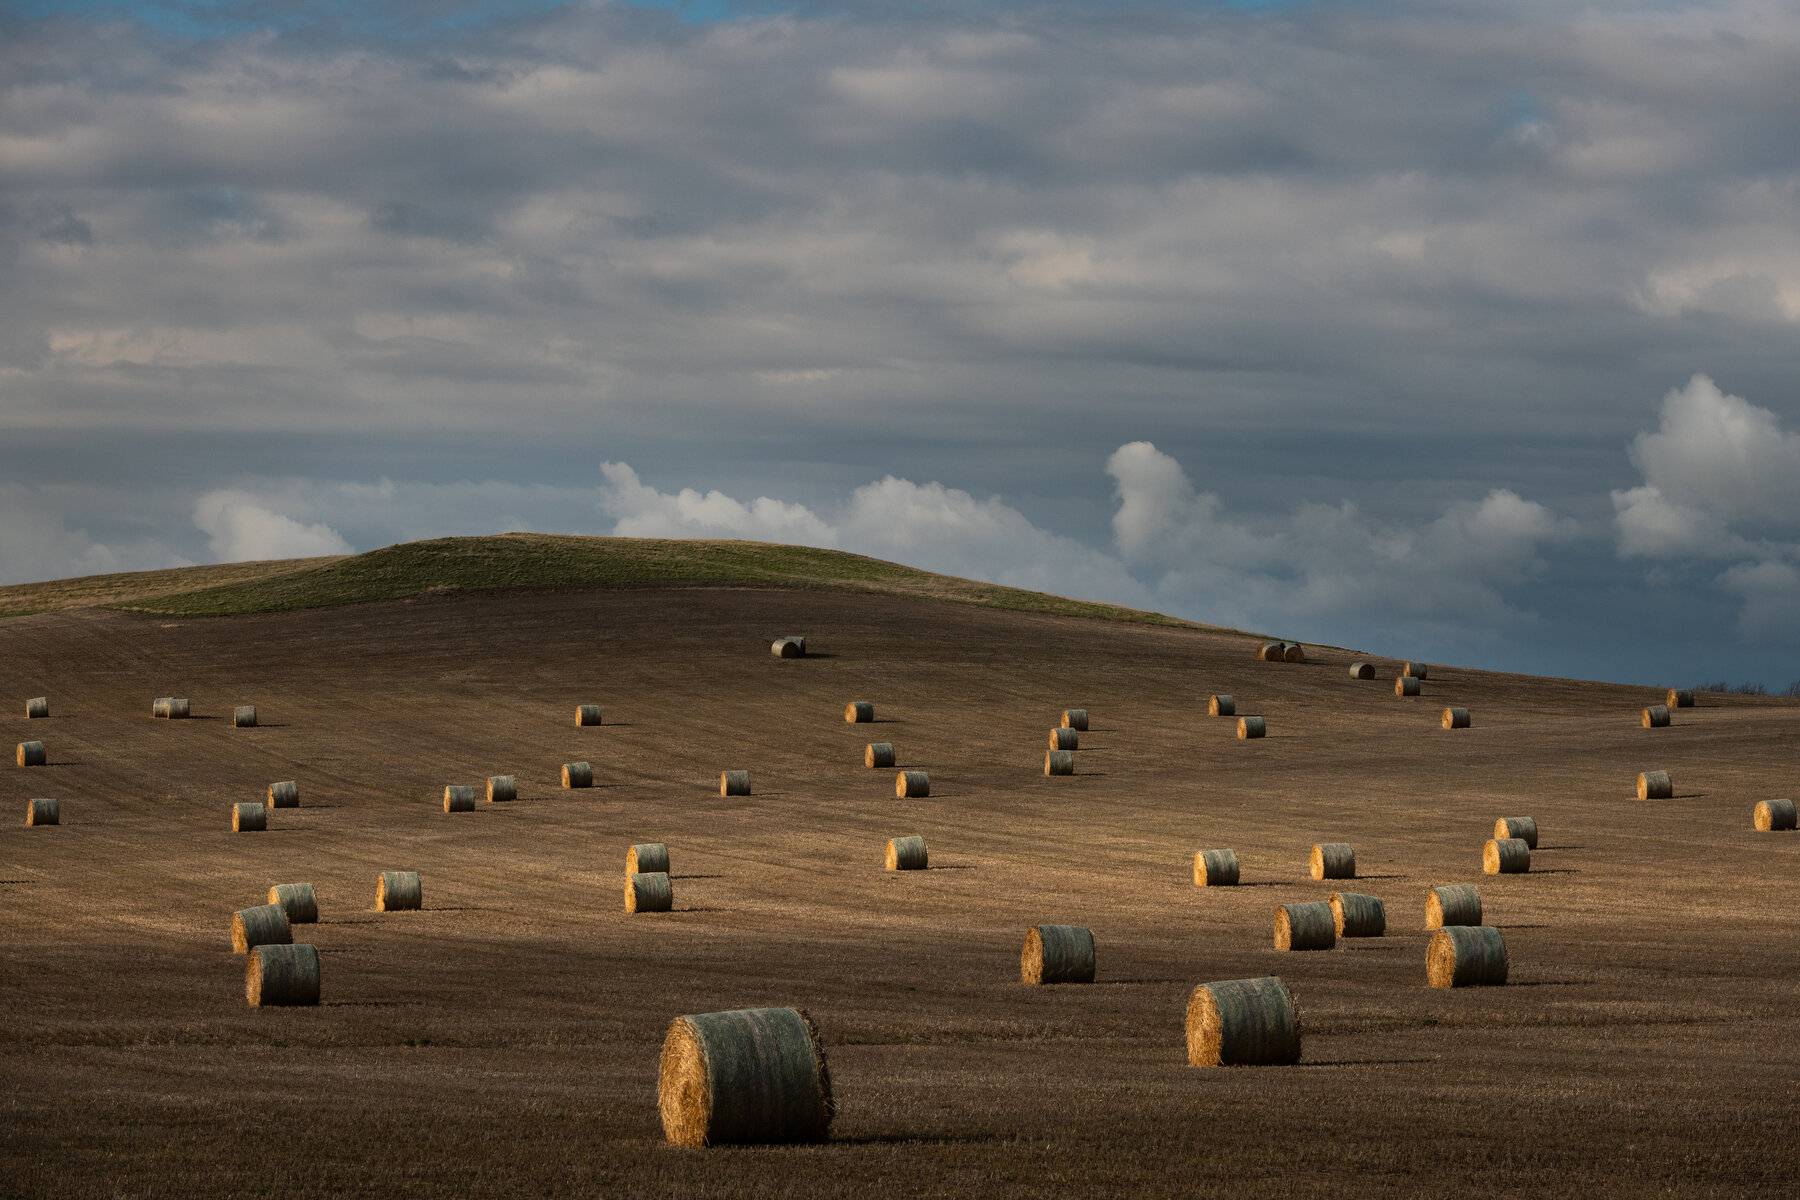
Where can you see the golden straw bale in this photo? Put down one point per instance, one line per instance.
(1305, 926)
(1216, 868)
(1406, 685)
(647, 858)
(1059, 762)
(1769, 815)
(1452, 904)
(1269, 652)
(32, 754)
(459, 798)
(43, 812)
(285, 794)
(648, 891)
(789, 647)
(1333, 860)
(244, 716)
(859, 712)
(1293, 652)
(37, 706)
(577, 775)
(912, 785)
(249, 818)
(1456, 718)
(264, 925)
(1243, 1023)
(587, 714)
(282, 975)
(1222, 706)
(297, 901)
(907, 854)
(397, 891)
(1416, 670)
(1362, 670)
(878, 754)
(1065, 739)
(1523, 828)
(1655, 717)
(501, 788)
(1075, 718)
(169, 707)
(1252, 727)
(159, 707)
(757, 1075)
(1680, 698)
(1355, 915)
(1506, 856)
(1655, 785)
(1466, 956)
(1057, 954)
(734, 783)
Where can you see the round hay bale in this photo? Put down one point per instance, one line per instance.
(249, 818)
(1243, 1023)
(1523, 828)
(282, 975)
(912, 785)
(753, 1076)
(285, 794)
(1333, 860)
(1216, 868)
(459, 798)
(1452, 904)
(1057, 954)
(169, 708)
(37, 706)
(1075, 718)
(788, 647)
(647, 858)
(1466, 956)
(1059, 762)
(859, 712)
(1355, 915)
(1307, 926)
(648, 891)
(1414, 669)
(878, 754)
(159, 707)
(1506, 856)
(297, 901)
(577, 775)
(1655, 785)
(43, 812)
(1456, 718)
(264, 925)
(1293, 652)
(1362, 670)
(1269, 652)
(1065, 739)
(397, 891)
(734, 783)
(1222, 706)
(244, 716)
(907, 854)
(1252, 727)
(1680, 698)
(501, 788)
(1406, 685)
(587, 714)
(32, 754)
(179, 709)
(1656, 717)
(1769, 815)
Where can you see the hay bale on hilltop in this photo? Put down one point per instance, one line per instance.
(1333, 860)
(912, 785)
(859, 712)
(647, 858)
(577, 775)
(249, 818)
(649, 891)
(32, 754)
(1306, 926)
(1059, 762)
(1222, 706)
(43, 812)
(587, 714)
(1456, 718)
(1523, 828)
(1655, 785)
(1243, 1023)
(37, 706)
(1270, 651)
(1252, 727)
(244, 716)
(1655, 717)
(1355, 915)
(1769, 815)
(907, 854)
(734, 783)
(1075, 718)
(1680, 698)
(1406, 685)
(279, 974)
(1506, 856)
(1452, 904)
(1216, 868)
(297, 901)
(1362, 670)
(1065, 739)
(878, 754)
(399, 891)
(1466, 956)
(1057, 954)
(756, 1075)
(285, 794)
(263, 925)
(1293, 652)
(459, 798)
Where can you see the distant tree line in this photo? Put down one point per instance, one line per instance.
(1791, 691)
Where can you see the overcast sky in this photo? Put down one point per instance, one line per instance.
(1465, 331)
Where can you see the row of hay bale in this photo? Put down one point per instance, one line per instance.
(1220, 705)
(647, 884)
(281, 972)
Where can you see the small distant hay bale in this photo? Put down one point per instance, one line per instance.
(647, 858)
(577, 775)
(501, 788)
(1222, 706)
(1293, 652)
(907, 854)
(587, 714)
(32, 754)
(753, 1076)
(264, 925)
(1770, 815)
(1656, 717)
(1252, 727)
(459, 797)
(1655, 785)
(912, 785)
(249, 818)
(1243, 1023)
(159, 707)
(1059, 762)
(1466, 956)
(1057, 954)
(244, 716)
(649, 891)
(1270, 651)
(1065, 739)
(1354, 915)
(37, 706)
(878, 754)
(1452, 904)
(49, 812)
(1416, 670)
(1216, 868)
(1075, 718)
(170, 708)
(1680, 698)
(285, 794)
(859, 712)
(734, 783)
(1406, 685)
(1333, 860)
(1362, 670)
(279, 974)
(789, 647)
(399, 891)
(1307, 926)
(1456, 718)
(1506, 856)
(297, 901)
(1523, 828)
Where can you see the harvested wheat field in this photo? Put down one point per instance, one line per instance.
(505, 1039)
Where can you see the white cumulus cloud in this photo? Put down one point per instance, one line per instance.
(241, 529)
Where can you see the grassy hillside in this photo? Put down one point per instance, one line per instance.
(528, 560)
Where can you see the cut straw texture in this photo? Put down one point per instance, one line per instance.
(1655, 717)
(907, 854)
(1057, 954)
(1059, 762)
(1243, 1023)
(43, 812)
(789, 647)
(459, 798)
(648, 858)
(1680, 698)
(1065, 739)
(170, 708)
(249, 818)
(734, 783)
(501, 788)
(32, 754)
(1506, 856)
(399, 891)
(648, 891)
(1524, 828)
(859, 712)
(1333, 860)
(1075, 718)
(1252, 727)
(1355, 915)
(1456, 718)
(297, 901)
(1305, 926)
(264, 925)
(878, 754)
(1466, 956)
(1770, 815)
(1406, 685)
(756, 1075)
(282, 975)
(37, 706)
(1452, 904)
(1655, 785)
(1216, 868)
(912, 785)
(587, 714)
(1362, 670)
(285, 794)
(244, 716)
(1222, 706)
(577, 775)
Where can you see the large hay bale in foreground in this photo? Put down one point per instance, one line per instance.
(859, 712)
(1075, 718)
(1452, 904)
(1216, 868)
(37, 706)
(1406, 685)
(1057, 954)
(1456, 718)
(1523, 828)
(501, 788)
(587, 714)
(1333, 860)
(756, 1075)
(878, 754)
(789, 647)
(907, 854)
(649, 891)
(1466, 956)
(285, 794)
(1354, 915)
(1362, 670)
(1680, 698)
(1293, 652)
(1243, 1023)
(32, 754)
(399, 891)
(43, 812)
(263, 925)
(1769, 815)
(244, 716)
(1065, 739)
(297, 901)
(1222, 706)
(1059, 762)
(1506, 856)
(1416, 670)
(249, 818)
(1655, 717)
(647, 858)
(734, 783)
(577, 775)
(1252, 727)
(912, 785)
(459, 798)
(282, 975)
(1655, 785)
(1306, 926)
